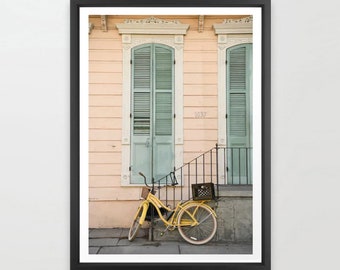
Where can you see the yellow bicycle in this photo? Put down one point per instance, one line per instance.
(195, 220)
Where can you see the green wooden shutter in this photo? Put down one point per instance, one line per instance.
(239, 120)
(163, 114)
(142, 68)
(141, 150)
(141, 113)
(163, 68)
(163, 111)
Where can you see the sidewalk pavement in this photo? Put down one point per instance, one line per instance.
(114, 241)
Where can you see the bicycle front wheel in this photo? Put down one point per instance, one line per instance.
(135, 224)
(205, 228)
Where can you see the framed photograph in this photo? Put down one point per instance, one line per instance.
(170, 134)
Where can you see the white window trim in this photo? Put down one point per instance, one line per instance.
(135, 33)
(230, 33)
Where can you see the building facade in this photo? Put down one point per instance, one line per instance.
(162, 91)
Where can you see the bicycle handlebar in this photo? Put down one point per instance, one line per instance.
(172, 178)
(141, 174)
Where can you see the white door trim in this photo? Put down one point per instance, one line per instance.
(171, 34)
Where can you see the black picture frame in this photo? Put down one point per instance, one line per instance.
(75, 6)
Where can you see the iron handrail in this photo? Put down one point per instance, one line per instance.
(206, 168)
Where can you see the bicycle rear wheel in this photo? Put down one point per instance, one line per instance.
(202, 232)
(135, 224)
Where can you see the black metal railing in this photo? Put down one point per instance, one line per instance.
(219, 165)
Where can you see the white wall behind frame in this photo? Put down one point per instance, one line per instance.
(305, 136)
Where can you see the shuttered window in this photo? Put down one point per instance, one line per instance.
(239, 111)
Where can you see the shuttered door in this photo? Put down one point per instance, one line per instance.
(152, 112)
(239, 119)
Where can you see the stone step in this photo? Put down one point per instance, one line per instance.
(234, 218)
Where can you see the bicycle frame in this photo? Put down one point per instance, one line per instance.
(173, 221)
(176, 219)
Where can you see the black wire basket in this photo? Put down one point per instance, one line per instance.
(203, 191)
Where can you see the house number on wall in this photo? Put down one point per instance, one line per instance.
(200, 115)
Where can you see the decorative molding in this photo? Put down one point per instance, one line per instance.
(179, 39)
(151, 20)
(222, 39)
(138, 40)
(222, 46)
(237, 21)
(232, 26)
(126, 38)
(103, 22)
(238, 40)
(179, 47)
(126, 47)
(225, 42)
(151, 26)
(91, 26)
(200, 24)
